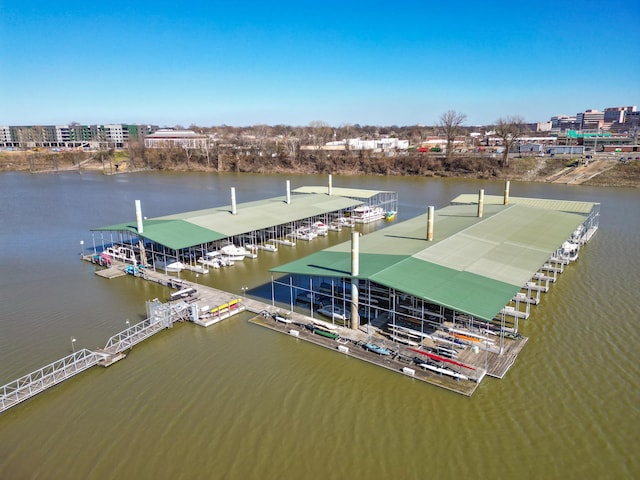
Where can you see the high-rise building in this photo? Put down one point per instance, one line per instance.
(590, 119)
(563, 122)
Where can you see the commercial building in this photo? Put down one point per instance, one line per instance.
(72, 136)
(175, 138)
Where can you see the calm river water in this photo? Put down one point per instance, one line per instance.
(236, 401)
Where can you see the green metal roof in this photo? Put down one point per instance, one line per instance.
(343, 192)
(560, 205)
(473, 265)
(188, 229)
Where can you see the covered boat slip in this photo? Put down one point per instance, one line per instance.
(468, 273)
(185, 236)
(387, 200)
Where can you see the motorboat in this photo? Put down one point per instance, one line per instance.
(367, 214)
(320, 228)
(569, 251)
(121, 253)
(269, 247)
(252, 250)
(233, 252)
(168, 264)
(210, 262)
(304, 233)
(344, 222)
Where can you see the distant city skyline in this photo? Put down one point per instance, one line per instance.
(367, 63)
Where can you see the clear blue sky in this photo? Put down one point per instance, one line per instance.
(372, 63)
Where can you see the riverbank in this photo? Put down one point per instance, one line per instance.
(604, 171)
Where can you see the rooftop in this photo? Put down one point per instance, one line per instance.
(473, 265)
(198, 227)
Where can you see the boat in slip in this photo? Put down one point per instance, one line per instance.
(569, 251)
(233, 252)
(269, 247)
(320, 228)
(121, 253)
(366, 214)
(304, 233)
(168, 264)
(252, 250)
(335, 313)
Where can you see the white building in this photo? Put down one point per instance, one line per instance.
(380, 144)
(175, 138)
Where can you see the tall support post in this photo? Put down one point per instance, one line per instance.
(233, 201)
(273, 292)
(330, 185)
(480, 202)
(143, 255)
(506, 192)
(430, 216)
(288, 192)
(355, 271)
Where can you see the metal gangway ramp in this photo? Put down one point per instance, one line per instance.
(35, 382)
(160, 316)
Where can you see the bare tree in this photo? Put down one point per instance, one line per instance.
(292, 145)
(450, 123)
(345, 132)
(188, 153)
(319, 134)
(508, 129)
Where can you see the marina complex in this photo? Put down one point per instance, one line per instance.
(438, 297)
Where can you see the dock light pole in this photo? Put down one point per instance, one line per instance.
(73, 344)
(244, 291)
(127, 323)
(197, 286)
(81, 248)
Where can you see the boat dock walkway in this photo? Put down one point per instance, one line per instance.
(471, 363)
(205, 306)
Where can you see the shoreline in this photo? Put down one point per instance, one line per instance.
(604, 171)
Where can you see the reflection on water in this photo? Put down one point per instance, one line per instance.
(238, 401)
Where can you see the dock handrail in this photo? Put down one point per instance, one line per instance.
(35, 382)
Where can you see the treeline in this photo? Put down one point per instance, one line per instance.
(344, 162)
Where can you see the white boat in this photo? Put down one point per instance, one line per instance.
(569, 251)
(366, 214)
(252, 250)
(320, 228)
(196, 268)
(233, 252)
(269, 247)
(303, 233)
(168, 264)
(212, 262)
(345, 222)
(120, 252)
(335, 313)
